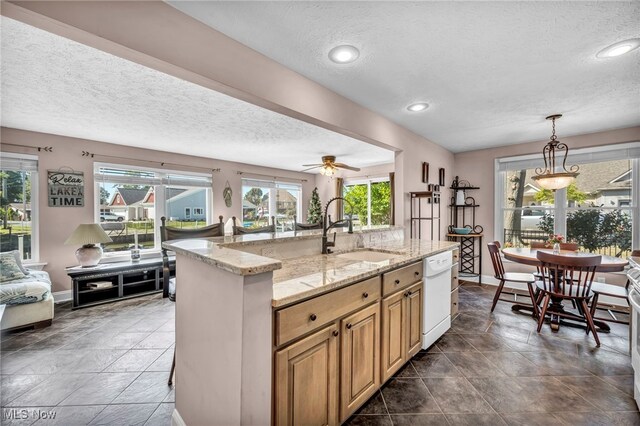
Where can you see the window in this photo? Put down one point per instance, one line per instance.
(371, 200)
(18, 204)
(263, 199)
(131, 201)
(597, 210)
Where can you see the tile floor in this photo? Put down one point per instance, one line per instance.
(109, 365)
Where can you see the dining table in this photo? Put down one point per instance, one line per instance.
(529, 256)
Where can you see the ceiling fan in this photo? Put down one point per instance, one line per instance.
(329, 166)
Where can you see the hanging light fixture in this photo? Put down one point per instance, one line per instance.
(549, 178)
(328, 170)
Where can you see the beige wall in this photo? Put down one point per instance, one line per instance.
(478, 168)
(57, 223)
(190, 50)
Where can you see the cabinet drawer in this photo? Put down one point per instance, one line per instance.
(297, 320)
(456, 255)
(454, 302)
(400, 278)
(454, 277)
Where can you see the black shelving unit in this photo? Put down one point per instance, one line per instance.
(425, 211)
(464, 216)
(129, 279)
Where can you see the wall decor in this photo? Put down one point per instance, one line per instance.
(65, 188)
(441, 176)
(425, 172)
(227, 193)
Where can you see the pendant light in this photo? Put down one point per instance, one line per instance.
(549, 178)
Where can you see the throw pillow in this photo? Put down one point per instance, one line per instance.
(9, 269)
(24, 270)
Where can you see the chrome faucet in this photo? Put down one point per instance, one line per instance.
(326, 225)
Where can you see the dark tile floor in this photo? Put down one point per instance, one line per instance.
(110, 364)
(494, 369)
(106, 365)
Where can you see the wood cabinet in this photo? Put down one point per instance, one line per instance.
(454, 283)
(306, 380)
(360, 359)
(401, 330)
(332, 352)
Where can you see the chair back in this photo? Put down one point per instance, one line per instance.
(240, 230)
(496, 260)
(538, 245)
(568, 275)
(304, 226)
(570, 246)
(168, 233)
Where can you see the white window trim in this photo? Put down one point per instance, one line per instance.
(159, 207)
(623, 151)
(35, 204)
(368, 182)
(273, 186)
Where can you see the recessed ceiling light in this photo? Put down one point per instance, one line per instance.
(418, 106)
(619, 48)
(344, 54)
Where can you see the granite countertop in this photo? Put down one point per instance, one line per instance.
(302, 277)
(308, 276)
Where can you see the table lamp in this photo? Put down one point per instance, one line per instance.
(88, 234)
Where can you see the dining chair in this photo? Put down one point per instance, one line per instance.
(568, 278)
(298, 226)
(514, 277)
(614, 291)
(168, 233)
(240, 230)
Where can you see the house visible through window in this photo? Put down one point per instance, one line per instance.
(262, 200)
(371, 200)
(131, 202)
(18, 204)
(599, 210)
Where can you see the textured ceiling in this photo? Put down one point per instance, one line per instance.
(490, 70)
(54, 85)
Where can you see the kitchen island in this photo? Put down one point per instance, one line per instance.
(254, 309)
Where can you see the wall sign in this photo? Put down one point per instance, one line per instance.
(66, 188)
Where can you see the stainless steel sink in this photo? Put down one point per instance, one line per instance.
(369, 256)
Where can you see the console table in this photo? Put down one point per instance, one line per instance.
(128, 279)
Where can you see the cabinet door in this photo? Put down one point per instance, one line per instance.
(306, 381)
(413, 299)
(393, 335)
(360, 366)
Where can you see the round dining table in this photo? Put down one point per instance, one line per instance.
(528, 256)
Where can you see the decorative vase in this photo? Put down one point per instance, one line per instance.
(556, 248)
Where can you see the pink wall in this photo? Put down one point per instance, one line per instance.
(56, 224)
(478, 168)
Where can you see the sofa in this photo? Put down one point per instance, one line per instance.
(27, 297)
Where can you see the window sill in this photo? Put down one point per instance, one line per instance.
(36, 266)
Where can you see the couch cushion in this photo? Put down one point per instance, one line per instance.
(9, 268)
(24, 292)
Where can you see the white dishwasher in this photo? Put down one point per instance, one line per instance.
(437, 297)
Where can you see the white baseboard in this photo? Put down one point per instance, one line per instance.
(489, 280)
(62, 296)
(176, 419)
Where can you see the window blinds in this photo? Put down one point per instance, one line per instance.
(149, 177)
(271, 184)
(17, 163)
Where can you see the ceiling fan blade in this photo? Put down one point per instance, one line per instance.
(310, 168)
(345, 166)
(312, 165)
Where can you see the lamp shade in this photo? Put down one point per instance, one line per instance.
(88, 233)
(554, 181)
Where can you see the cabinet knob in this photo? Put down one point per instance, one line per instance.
(335, 333)
(397, 281)
(313, 317)
(365, 295)
(416, 273)
(349, 326)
